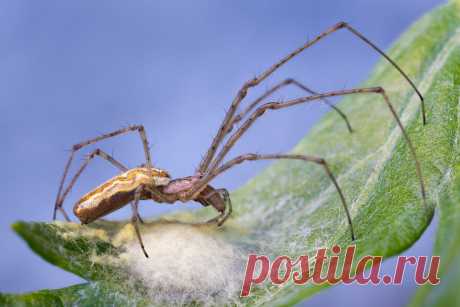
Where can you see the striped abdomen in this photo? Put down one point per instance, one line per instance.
(117, 192)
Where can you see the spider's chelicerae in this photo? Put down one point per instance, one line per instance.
(147, 182)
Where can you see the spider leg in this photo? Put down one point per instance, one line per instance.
(317, 160)
(97, 152)
(139, 217)
(135, 217)
(277, 87)
(216, 218)
(78, 146)
(280, 105)
(227, 122)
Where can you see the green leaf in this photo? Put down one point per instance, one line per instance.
(89, 294)
(291, 208)
(447, 246)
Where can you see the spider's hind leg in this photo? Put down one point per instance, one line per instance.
(61, 197)
(62, 193)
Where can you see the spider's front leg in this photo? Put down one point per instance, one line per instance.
(255, 157)
(229, 116)
(293, 102)
(237, 118)
(216, 168)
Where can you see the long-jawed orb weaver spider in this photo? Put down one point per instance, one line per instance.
(147, 182)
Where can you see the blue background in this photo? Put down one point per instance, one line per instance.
(72, 70)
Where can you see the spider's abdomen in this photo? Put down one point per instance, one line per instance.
(117, 192)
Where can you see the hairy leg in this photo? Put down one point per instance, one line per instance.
(227, 122)
(135, 216)
(80, 145)
(277, 87)
(280, 105)
(97, 152)
(317, 160)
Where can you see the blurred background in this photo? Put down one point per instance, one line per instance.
(72, 70)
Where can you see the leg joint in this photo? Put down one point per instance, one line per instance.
(341, 25)
(137, 127)
(251, 83)
(250, 156)
(321, 161)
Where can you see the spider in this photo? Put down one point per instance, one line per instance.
(146, 182)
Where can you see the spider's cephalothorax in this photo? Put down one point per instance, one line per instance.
(147, 182)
